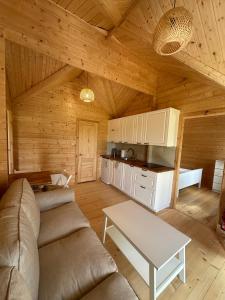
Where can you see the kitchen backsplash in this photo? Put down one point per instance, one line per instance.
(161, 155)
(140, 150)
(155, 154)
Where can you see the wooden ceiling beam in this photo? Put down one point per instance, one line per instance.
(123, 18)
(109, 10)
(47, 28)
(65, 74)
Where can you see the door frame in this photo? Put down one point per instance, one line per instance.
(183, 117)
(77, 146)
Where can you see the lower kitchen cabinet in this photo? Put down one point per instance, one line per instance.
(117, 174)
(107, 171)
(151, 189)
(128, 173)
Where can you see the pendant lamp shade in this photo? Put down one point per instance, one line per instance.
(87, 95)
(173, 31)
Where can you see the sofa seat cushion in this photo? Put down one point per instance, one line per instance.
(71, 267)
(51, 199)
(20, 194)
(114, 287)
(12, 285)
(18, 246)
(58, 222)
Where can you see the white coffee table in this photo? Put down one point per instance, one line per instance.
(153, 247)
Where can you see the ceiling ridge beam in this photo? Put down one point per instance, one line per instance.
(123, 19)
(61, 76)
(45, 27)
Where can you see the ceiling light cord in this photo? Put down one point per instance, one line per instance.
(174, 4)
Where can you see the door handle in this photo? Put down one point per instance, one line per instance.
(143, 187)
(81, 154)
(143, 175)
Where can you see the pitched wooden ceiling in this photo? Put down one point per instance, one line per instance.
(133, 24)
(29, 73)
(25, 68)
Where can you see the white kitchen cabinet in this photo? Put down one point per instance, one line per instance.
(139, 128)
(157, 128)
(162, 127)
(115, 131)
(107, 171)
(127, 181)
(153, 189)
(128, 124)
(150, 188)
(117, 174)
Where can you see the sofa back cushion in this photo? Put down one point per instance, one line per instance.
(12, 285)
(19, 246)
(21, 194)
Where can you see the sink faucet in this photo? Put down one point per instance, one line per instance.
(133, 153)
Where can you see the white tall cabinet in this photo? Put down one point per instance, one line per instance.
(158, 128)
(151, 189)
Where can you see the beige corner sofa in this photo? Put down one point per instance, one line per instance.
(48, 250)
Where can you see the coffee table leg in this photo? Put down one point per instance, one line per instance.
(105, 226)
(152, 282)
(182, 274)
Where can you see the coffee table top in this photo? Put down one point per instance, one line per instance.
(155, 239)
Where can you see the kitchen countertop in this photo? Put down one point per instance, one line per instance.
(141, 164)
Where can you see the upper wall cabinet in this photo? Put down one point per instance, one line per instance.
(158, 128)
(115, 131)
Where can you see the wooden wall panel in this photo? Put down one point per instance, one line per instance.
(3, 123)
(189, 96)
(45, 129)
(203, 143)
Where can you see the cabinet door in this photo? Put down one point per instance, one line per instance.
(128, 129)
(156, 128)
(104, 170)
(118, 174)
(127, 179)
(139, 129)
(114, 131)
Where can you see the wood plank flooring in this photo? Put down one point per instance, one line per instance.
(201, 204)
(205, 255)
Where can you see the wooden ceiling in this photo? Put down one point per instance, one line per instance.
(25, 68)
(133, 24)
(118, 25)
(30, 73)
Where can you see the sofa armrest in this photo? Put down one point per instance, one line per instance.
(50, 199)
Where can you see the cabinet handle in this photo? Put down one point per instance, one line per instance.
(143, 175)
(143, 187)
(146, 143)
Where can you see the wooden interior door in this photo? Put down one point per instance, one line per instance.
(87, 151)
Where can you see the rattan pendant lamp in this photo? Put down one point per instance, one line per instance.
(173, 32)
(86, 94)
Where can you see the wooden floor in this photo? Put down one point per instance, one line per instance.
(201, 204)
(205, 254)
